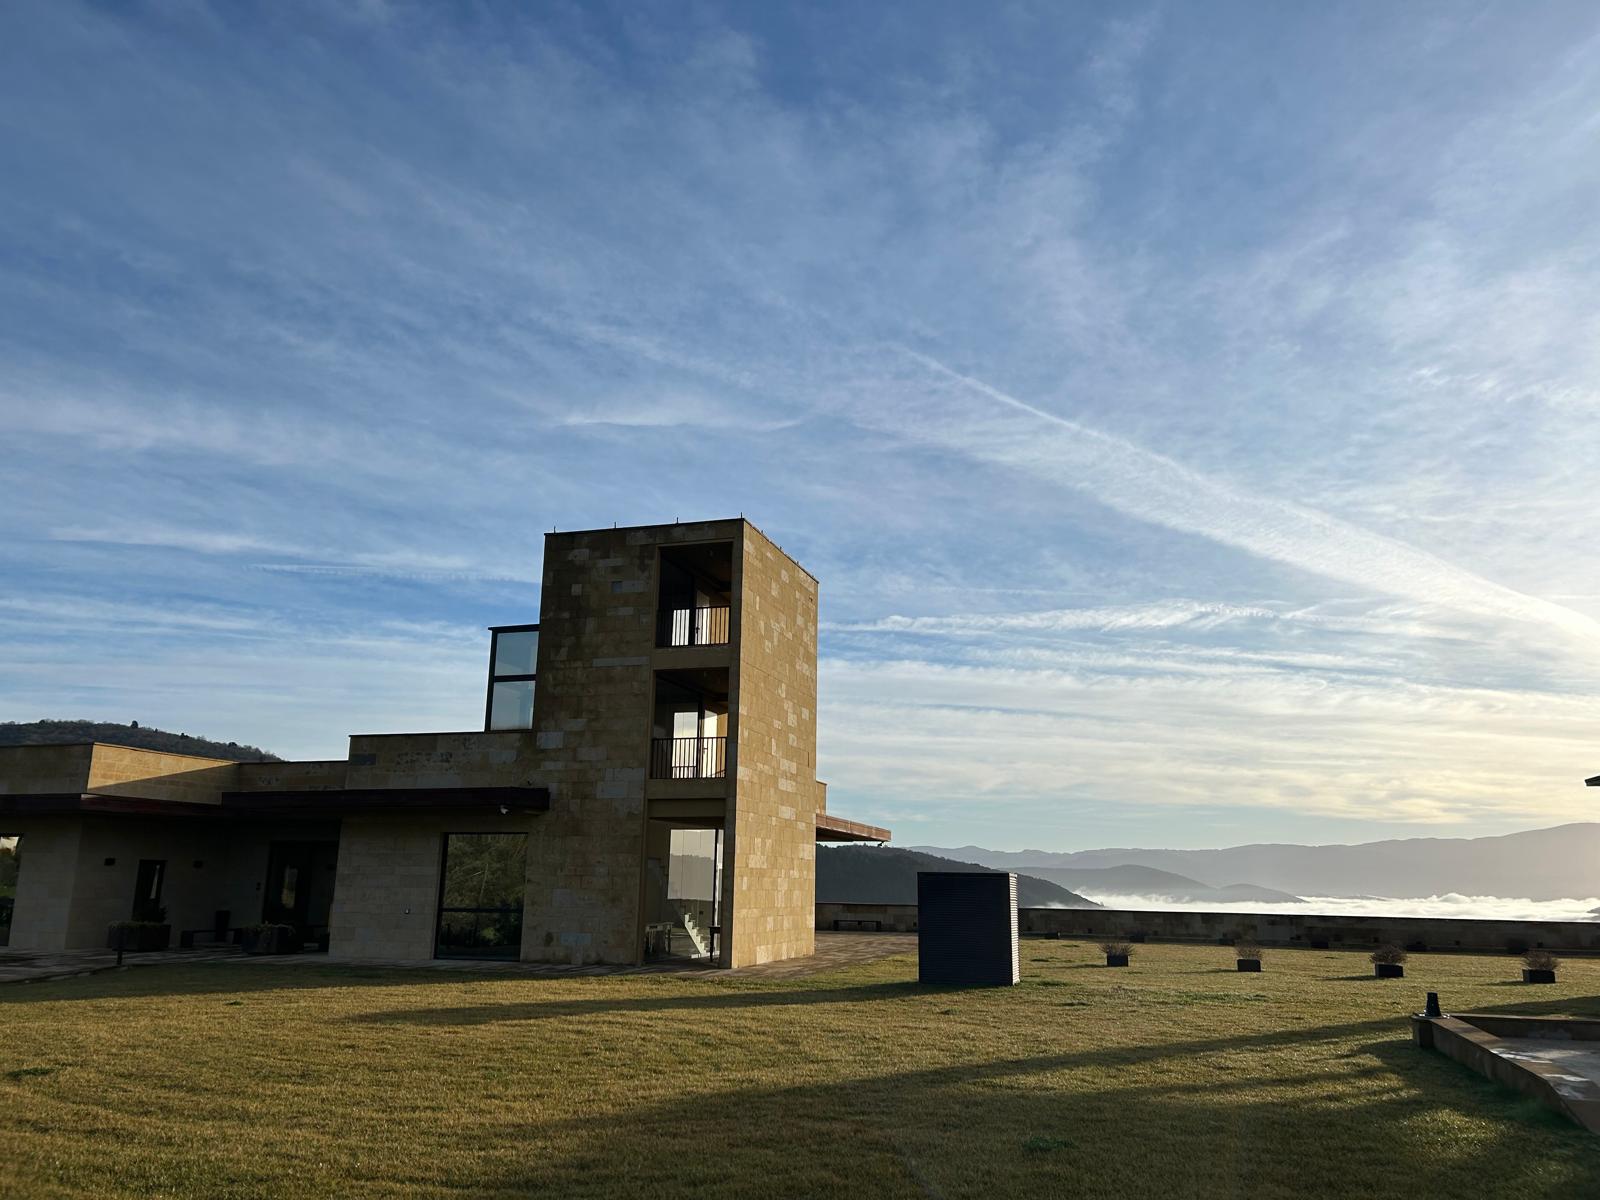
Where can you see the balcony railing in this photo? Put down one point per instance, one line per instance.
(688, 758)
(692, 627)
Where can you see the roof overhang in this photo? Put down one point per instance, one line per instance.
(331, 803)
(377, 801)
(838, 829)
(1595, 782)
(61, 803)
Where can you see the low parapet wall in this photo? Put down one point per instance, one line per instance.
(1267, 929)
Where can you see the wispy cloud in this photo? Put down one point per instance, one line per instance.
(1153, 487)
(1179, 452)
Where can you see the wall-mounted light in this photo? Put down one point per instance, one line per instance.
(199, 864)
(111, 862)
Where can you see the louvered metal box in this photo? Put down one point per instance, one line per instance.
(967, 927)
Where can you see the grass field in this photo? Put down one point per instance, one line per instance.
(1175, 1077)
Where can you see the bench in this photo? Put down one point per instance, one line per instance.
(858, 922)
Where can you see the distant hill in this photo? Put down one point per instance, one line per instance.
(57, 733)
(1130, 879)
(882, 875)
(1539, 864)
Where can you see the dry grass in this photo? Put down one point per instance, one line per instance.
(1177, 1076)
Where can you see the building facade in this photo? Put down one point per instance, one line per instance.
(644, 787)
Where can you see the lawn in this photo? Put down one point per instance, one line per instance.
(1174, 1077)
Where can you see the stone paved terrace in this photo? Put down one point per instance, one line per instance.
(833, 950)
(18, 966)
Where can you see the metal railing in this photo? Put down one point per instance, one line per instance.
(688, 758)
(693, 626)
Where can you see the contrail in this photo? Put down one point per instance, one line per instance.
(1161, 490)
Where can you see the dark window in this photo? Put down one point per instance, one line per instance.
(147, 890)
(481, 891)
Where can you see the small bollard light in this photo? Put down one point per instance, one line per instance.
(1433, 1006)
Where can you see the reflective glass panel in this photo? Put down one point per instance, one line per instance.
(516, 653)
(512, 706)
(481, 895)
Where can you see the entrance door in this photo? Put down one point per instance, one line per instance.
(147, 890)
(300, 885)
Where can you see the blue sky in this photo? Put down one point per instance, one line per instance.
(1192, 412)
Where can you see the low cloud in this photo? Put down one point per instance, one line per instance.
(1451, 904)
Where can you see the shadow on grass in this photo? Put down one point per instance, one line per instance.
(536, 1010)
(230, 978)
(1040, 1125)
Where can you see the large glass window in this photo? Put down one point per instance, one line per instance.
(513, 673)
(516, 652)
(481, 895)
(511, 705)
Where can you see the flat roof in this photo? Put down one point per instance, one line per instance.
(741, 519)
(840, 829)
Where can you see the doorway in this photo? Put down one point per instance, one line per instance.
(299, 888)
(147, 888)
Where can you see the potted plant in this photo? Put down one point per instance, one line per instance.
(138, 935)
(1247, 956)
(1387, 962)
(269, 938)
(1116, 953)
(147, 931)
(1539, 966)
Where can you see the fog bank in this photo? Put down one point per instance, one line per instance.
(1451, 904)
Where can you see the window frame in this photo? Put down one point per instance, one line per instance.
(494, 653)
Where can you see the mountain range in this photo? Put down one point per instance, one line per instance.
(882, 875)
(1130, 879)
(142, 737)
(1537, 864)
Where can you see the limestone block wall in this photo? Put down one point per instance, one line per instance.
(592, 718)
(1338, 931)
(44, 770)
(386, 897)
(196, 874)
(49, 871)
(157, 775)
(770, 889)
(114, 771)
(311, 775)
(504, 758)
(1305, 929)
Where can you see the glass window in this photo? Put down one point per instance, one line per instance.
(513, 663)
(481, 895)
(516, 653)
(511, 705)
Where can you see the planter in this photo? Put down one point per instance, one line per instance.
(1116, 960)
(274, 939)
(1389, 970)
(1538, 975)
(1249, 964)
(138, 936)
